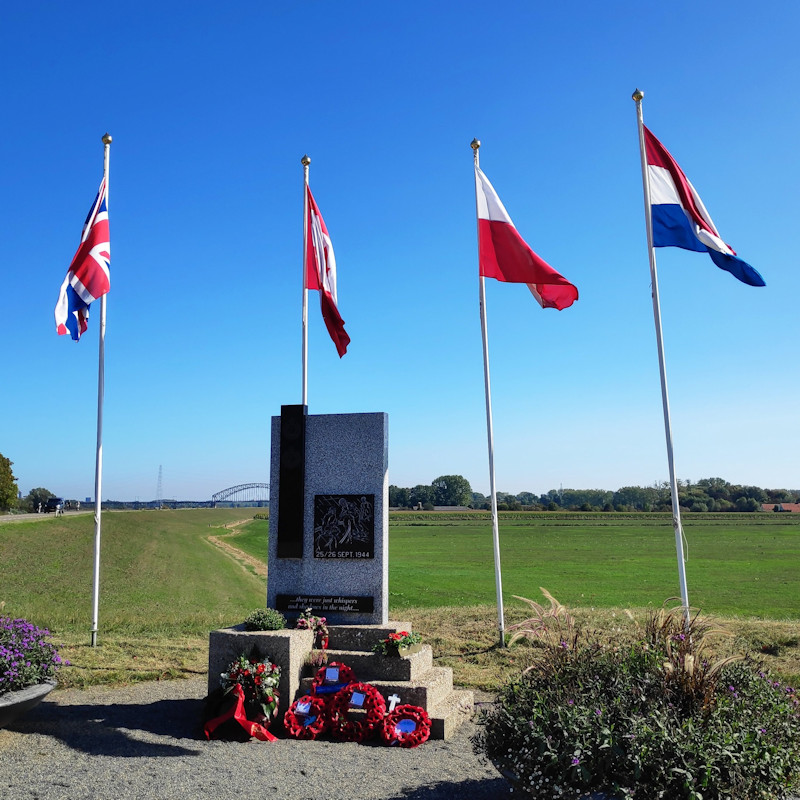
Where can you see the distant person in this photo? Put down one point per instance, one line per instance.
(60, 510)
(78, 505)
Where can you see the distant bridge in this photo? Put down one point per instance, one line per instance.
(243, 493)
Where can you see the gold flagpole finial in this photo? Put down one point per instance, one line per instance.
(107, 138)
(305, 161)
(637, 95)
(475, 144)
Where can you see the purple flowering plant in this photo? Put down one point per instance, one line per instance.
(657, 715)
(27, 657)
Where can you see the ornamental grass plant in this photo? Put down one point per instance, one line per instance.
(652, 718)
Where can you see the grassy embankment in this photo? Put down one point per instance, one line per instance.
(164, 585)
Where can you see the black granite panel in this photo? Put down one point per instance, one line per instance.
(344, 526)
(292, 481)
(324, 604)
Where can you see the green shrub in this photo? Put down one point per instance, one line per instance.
(654, 719)
(265, 619)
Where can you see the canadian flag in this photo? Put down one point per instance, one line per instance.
(321, 274)
(504, 255)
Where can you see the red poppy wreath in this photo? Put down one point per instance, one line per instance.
(406, 726)
(307, 718)
(332, 677)
(347, 728)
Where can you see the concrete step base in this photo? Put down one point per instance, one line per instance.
(412, 678)
(371, 667)
(430, 689)
(362, 637)
(458, 707)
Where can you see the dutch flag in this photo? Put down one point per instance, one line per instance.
(679, 217)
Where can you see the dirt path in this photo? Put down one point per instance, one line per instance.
(244, 560)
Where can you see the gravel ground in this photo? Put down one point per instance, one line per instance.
(145, 742)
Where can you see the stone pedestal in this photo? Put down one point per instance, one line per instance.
(329, 516)
(414, 679)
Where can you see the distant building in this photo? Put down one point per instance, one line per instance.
(793, 507)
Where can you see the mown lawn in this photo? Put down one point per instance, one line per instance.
(159, 574)
(735, 570)
(737, 565)
(164, 585)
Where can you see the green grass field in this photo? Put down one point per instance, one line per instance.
(164, 585)
(159, 573)
(736, 570)
(737, 565)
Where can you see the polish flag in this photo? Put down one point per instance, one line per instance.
(321, 274)
(504, 255)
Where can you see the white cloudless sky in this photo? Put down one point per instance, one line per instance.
(211, 107)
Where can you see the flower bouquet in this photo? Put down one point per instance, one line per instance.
(307, 621)
(249, 697)
(259, 682)
(400, 643)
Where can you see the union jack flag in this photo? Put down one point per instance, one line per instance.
(88, 275)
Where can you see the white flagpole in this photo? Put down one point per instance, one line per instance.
(98, 470)
(305, 161)
(475, 145)
(638, 95)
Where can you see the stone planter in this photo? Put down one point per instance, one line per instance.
(406, 650)
(14, 704)
(288, 648)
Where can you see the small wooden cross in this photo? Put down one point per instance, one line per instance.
(393, 701)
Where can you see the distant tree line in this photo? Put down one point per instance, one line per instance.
(446, 490)
(707, 494)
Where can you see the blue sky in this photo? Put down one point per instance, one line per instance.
(212, 106)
